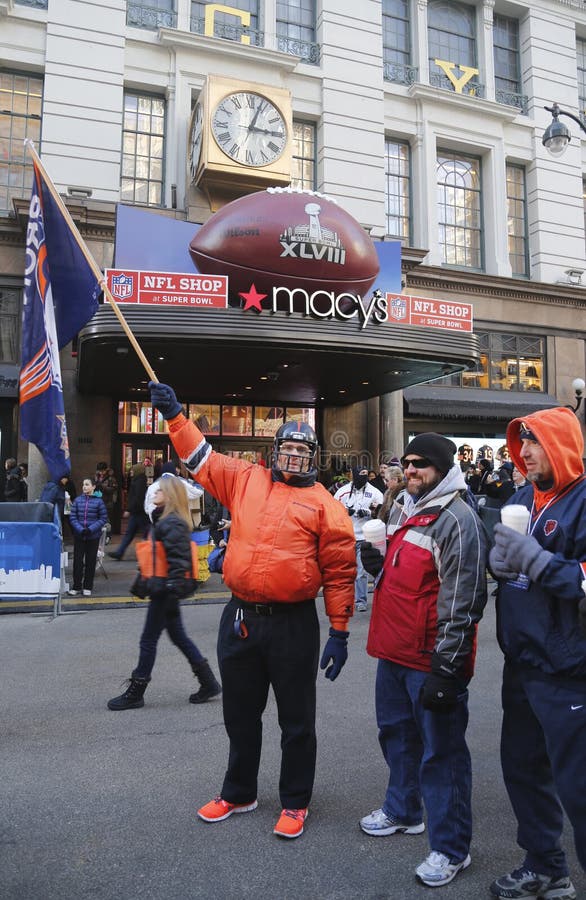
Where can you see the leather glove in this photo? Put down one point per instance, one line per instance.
(363, 513)
(335, 653)
(350, 510)
(163, 398)
(582, 615)
(372, 559)
(441, 687)
(520, 552)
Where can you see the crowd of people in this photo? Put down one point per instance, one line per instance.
(285, 537)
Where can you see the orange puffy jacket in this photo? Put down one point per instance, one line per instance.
(285, 542)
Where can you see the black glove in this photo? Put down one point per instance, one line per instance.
(363, 513)
(441, 687)
(372, 559)
(85, 533)
(163, 398)
(335, 652)
(582, 615)
(350, 510)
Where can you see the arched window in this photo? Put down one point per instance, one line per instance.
(451, 37)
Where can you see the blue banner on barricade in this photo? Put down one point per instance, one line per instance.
(30, 560)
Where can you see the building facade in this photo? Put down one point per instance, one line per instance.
(422, 118)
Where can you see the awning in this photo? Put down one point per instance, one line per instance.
(439, 402)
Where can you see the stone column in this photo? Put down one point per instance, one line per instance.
(38, 474)
(392, 439)
(485, 49)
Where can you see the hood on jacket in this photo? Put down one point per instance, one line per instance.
(558, 432)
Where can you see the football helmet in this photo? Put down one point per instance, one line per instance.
(294, 431)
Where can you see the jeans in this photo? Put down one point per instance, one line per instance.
(542, 754)
(161, 615)
(138, 523)
(280, 650)
(361, 583)
(428, 759)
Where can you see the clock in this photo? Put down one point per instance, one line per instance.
(249, 129)
(195, 140)
(240, 139)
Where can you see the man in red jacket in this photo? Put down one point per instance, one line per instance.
(288, 538)
(430, 593)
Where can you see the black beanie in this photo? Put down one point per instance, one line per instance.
(438, 449)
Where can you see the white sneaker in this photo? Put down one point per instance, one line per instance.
(379, 824)
(437, 869)
(86, 593)
(73, 593)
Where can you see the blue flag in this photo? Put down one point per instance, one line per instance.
(60, 297)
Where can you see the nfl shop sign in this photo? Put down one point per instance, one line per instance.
(429, 313)
(168, 288)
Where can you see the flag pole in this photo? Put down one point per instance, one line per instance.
(91, 261)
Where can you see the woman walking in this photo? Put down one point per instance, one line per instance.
(171, 530)
(87, 517)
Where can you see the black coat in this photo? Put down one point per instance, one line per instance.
(15, 487)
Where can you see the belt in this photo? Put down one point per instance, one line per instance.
(269, 609)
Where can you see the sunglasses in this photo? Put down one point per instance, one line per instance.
(416, 463)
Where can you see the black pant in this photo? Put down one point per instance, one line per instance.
(161, 615)
(85, 554)
(281, 650)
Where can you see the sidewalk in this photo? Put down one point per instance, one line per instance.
(111, 584)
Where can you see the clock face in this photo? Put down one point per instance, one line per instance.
(195, 140)
(249, 129)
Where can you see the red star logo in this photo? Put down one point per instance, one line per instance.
(252, 299)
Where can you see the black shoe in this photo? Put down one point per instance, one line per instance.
(209, 686)
(114, 555)
(132, 698)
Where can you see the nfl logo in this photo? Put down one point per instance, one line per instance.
(122, 286)
(398, 308)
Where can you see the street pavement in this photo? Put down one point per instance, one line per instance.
(100, 805)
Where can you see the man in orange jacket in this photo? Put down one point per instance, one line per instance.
(288, 538)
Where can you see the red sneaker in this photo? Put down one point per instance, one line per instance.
(290, 824)
(217, 809)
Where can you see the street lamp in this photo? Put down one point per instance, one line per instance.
(556, 136)
(578, 385)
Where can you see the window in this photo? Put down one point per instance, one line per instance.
(21, 98)
(507, 66)
(581, 66)
(206, 416)
(10, 315)
(584, 202)
(397, 42)
(517, 220)
(508, 362)
(227, 26)
(398, 190)
(143, 146)
(303, 161)
(459, 208)
(296, 29)
(137, 417)
(452, 38)
(151, 14)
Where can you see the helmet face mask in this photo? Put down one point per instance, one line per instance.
(294, 448)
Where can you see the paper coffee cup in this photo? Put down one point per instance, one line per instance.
(375, 531)
(515, 516)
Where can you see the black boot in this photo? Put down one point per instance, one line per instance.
(132, 698)
(209, 686)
